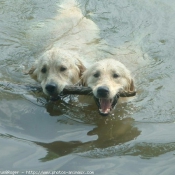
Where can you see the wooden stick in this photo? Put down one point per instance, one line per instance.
(77, 90)
(81, 90)
(68, 90)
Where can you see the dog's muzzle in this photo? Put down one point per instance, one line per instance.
(51, 88)
(104, 103)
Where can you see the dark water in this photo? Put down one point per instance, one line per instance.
(138, 138)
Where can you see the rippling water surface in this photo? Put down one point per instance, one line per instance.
(137, 138)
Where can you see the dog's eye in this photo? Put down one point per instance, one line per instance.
(44, 70)
(62, 69)
(115, 75)
(96, 75)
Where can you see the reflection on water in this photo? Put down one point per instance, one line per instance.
(38, 134)
(109, 133)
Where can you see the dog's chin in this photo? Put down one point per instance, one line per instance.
(106, 105)
(53, 96)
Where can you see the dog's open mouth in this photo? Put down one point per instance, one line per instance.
(106, 105)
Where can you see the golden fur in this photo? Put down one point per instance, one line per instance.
(57, 68)
(61, 64)
(64, 63)
(107, 78)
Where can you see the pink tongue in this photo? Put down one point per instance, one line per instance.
(105, 105)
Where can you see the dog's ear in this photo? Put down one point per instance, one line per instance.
(32, 72)
(81, 67)
(83, 80)
(131, 87)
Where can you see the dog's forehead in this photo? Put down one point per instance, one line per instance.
(56, 59)
(60, 59)
(108, 65)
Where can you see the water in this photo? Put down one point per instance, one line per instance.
(138, 137)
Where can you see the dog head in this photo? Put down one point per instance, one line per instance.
(55, 69)
(107, 78)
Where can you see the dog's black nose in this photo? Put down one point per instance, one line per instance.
(103, 91)
(51, 88)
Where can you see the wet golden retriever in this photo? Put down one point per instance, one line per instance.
(107, 78)
(55, 69)
(61, 64)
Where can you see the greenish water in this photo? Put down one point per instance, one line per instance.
(138, 138)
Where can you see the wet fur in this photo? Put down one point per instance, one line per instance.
(106, 69)
(52, 62)
(67, 52)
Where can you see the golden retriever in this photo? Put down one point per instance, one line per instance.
(61, 65)
(55, 69)
(107, 78)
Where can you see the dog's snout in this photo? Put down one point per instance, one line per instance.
(103, 91)
(51, 88)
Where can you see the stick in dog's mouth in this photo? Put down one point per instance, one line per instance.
(82, 90)
(105, 105)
